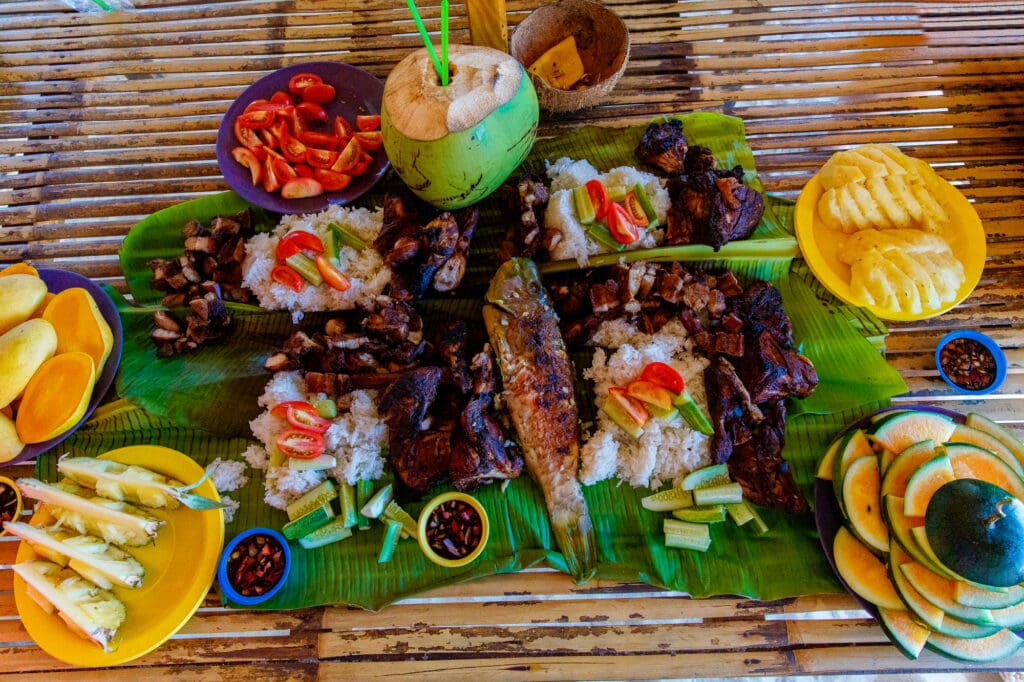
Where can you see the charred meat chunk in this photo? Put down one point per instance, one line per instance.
(419, 457)
(663, 145)
(526, 235)
(710, 206)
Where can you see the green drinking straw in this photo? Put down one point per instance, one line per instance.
(426, 40)
(444, 42)
(103, 6)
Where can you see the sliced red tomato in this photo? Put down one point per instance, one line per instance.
(282, 274)
(259, 152)
(283, 170)
(635, 210)
(301, 188)
(370, 141)
(247, 137)
(301, 444)
(267, 136)
(293, 149)
(621, 226)
(280, 97)
(359, 169)
(298, 123)
(256, 119)
(348, 157)
(264, 105)
(366, 122)
(320, 93)
(304, 170)
(320, 158)
(248, 159)
(300, 81)
(342, 128)
(664, 375)
(281, 409)
(331, 181)
(311, 111)
(599, 198)
(306, 419)
(332, 275)
(296, 241)
(320, 140)
(270, 181)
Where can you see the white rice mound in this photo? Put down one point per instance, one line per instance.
(365, 269)
(560, 215)
(355, 438)
(667, 450)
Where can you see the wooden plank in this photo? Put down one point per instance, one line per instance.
(886, 659)
(292, 671)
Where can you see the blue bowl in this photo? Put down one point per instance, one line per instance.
(222, 568)
(989, 344)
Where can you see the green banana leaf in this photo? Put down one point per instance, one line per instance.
(216, 388)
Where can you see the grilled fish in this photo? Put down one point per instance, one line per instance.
(537, 378)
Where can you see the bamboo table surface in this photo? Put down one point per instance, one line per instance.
(107, 118)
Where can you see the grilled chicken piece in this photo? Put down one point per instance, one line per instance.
(710, 206)
(663, 145)
(733, 413)
(479, 454)
(419, 457)
(453, 345)
(537, 377)
(759, 468)
(449, 274)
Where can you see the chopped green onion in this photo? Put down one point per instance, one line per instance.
(305, 266)
(391, 537)
(348, 504)
(348, 238)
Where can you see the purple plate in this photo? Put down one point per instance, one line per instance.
(358, 92)
(57, 281)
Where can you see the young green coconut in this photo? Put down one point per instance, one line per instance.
(453, 145)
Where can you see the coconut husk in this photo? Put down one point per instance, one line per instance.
(601, 39)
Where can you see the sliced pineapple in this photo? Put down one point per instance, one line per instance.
(80, 509)
(90, 611)
(130, 483)
(89, 555)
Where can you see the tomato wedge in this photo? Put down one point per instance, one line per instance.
(305, 418)
(282, 274)
(292, 149)
(304, 170)
(348, 158)
(621, 226)
(312, 111)
(371, 140)
(300, 81)
(320, 158)
(301, 188)
(270, 181)
(663, 375)
(331, 180)
(256, 119)
(247, 137)
(296, 241)
(635, 210)
(320, 93)
(331, 274)
(280, 97)
(248, 159)
(281, 409)
(320, 140)
(366, 122)
(283, 170)
(301, 444)
(599, 198)
(342, 128)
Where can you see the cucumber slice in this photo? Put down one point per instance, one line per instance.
(690, 411)
(683, 534)
(740, 513)
(326, 408)
(600, 234)
(326, 534)
(311, 499)
(375, 506)
(320, 463)
(349, 515)
(348, 238)
(645, 203)
(668, 500)
(617, 193)
(391, 538)
(584, 206)
(306, 524)
(708, 476)
(364, 491)
(393, 512)
(719, 494)
(712, 514)
(305, 266)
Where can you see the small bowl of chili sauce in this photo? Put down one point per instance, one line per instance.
(970, 362)
(10, 502)
(453, 529)
(254, 566)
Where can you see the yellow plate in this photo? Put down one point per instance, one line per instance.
(820, 248)
(180, 567)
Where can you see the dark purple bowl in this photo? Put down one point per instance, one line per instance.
(57, 281)
(358, 92)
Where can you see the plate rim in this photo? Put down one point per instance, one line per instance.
(106, 379)
(205, 573)
(267, 201)
(806, 204)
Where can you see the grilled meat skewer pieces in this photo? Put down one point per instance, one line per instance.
(663, 145)
(537, 376)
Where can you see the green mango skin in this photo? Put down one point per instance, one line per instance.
(461, 168)
(973, 537)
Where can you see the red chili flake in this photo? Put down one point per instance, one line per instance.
(968, 364)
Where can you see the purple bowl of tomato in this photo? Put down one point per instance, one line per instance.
(295, 128)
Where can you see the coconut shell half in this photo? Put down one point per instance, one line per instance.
(601, 39)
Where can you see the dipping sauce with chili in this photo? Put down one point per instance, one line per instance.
(10, 502)
(970, 361)
(254, 566)
(453, 528)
